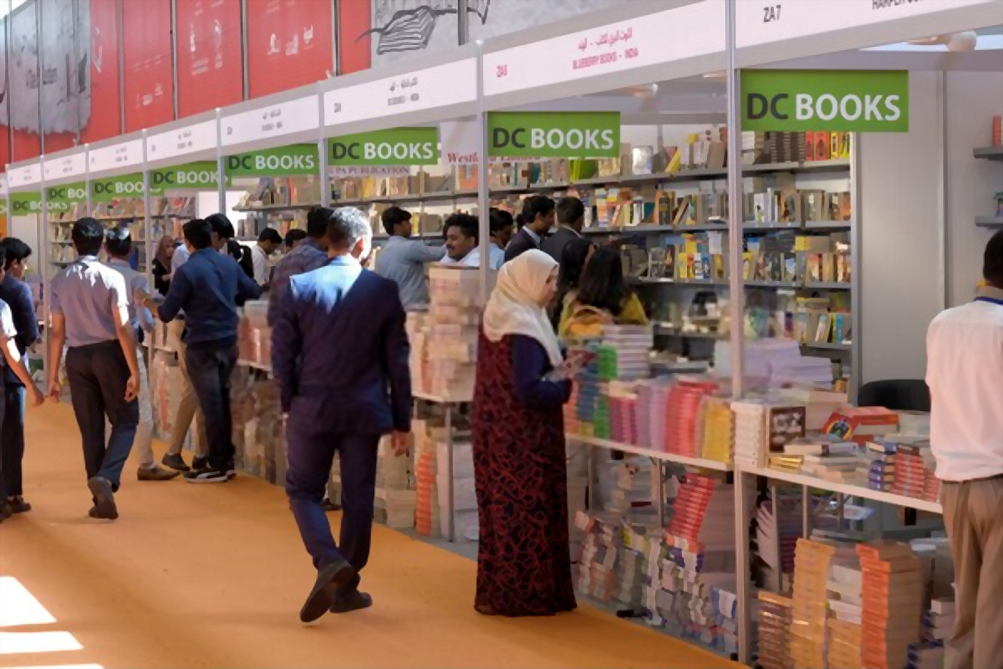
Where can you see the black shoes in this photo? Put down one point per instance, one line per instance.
(18, 505)
(330, 580)
(353, 601)
(5, 510)
(104, 499)
(200, 462)
(208, 475)
(329, 505)
(175, 462)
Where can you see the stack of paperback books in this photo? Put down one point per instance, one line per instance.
(426, 515)
(452, 323)
(915, 472)
(682, 414)
(846, 607)
(774, 631)
(395, 489)
(810, 607)
(893, 592)
(878, 464)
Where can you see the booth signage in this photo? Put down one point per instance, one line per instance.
(285, 118)
(67, 194)
(112, 188)
(198, 175)
(24, 204)
(3, 207)
(554, 134)
(396, 146)
(293, 160)
(825, 100)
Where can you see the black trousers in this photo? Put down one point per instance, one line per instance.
(98, 374)
(12, 440)
(210, 370)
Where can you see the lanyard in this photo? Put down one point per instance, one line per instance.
(990, 300)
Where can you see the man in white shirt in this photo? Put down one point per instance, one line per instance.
(402, 259)
(463, 243)
(269, 241)
(964, 348)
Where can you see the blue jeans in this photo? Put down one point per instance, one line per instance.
(98, 374)
(209, 370)
(311, 453)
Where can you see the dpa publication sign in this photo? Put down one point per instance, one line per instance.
(396, 146)
(554, 134)
(833, 100)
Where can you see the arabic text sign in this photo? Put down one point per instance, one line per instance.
(696, 30)
(61, 167)
(125, 154)
(182, 141)
(278, 120)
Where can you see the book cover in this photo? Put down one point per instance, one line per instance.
(809, 140)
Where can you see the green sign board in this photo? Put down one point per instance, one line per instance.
(293, 160)
(200, 175)
(67, 194)
(25, 204)
(825, 100)
(396, 146)
(113, 188)
(554, 134)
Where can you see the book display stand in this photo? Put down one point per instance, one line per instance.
(847, 243)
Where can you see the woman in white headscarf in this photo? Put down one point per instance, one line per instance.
(524, 566)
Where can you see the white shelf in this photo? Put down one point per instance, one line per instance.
(648, 452)
(844, 488)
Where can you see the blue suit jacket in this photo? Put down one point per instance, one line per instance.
(340, 350)
(17, 295)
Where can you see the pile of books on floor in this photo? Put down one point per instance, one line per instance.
(452, 323)
(395, 486)
(812, 560)
(846, 609)
(426, 514)
(416, 327)
(893, 590)
(774, 631)
(259, 434)
(254, 336)
(465, 517)
(595, 575)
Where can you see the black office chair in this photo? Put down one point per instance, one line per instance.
(898, 395)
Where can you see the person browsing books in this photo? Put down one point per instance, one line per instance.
(269, 241)
(463, 239)
(570, 218)
(538, 219)
(603, 297)
(502, 228)
(402, 259)
(964, 371)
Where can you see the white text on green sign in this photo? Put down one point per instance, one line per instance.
(554, 134)
(396, 146)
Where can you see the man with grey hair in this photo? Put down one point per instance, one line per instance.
(340, 358)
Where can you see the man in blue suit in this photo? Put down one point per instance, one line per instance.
(340, 357)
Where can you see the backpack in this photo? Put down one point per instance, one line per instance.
(586, 322)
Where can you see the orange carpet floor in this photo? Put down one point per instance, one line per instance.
(214, 576)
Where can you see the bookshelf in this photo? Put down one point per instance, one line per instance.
(989, 153)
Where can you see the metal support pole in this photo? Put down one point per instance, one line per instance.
(449, 471)
(45, 254)
(463, 23)
(220, 162)
(325, 185)
(483, 203)
(805, 512)
(591, 475)
(776, 537)
(244, 48)
(736, 304)
(660, 487)
(147, 219)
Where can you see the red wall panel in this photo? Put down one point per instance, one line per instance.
(289, 44)
(149, 81)
(355, 17)
(106, 104)
(210, 65)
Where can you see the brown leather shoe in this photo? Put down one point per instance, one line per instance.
(156, 474)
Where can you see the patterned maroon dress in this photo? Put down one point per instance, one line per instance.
(523, 562)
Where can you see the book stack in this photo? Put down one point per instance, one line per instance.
(704, 511)
(416, 327)
(254, 336)
(774, 631)
(718, 430)
(259, 437)
(682, 414)
(915, 472)
(861, 424)
(846, 607)
(926, 655)
(809, 607)
(776, 537)
(395, 490)
(750, 447)
(632, 486)
(775, 363)
(632, 564)
(603, 539)
(426, 513)
(652, 408)
(623, 354)
(832, 467)
(878, 464)
(464, 489)
(819, 405)
(938, 623)
(622, 404)
(452, 324)
(892, 603)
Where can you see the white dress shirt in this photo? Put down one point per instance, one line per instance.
(260, 260)
(496, 257)
(964, 370)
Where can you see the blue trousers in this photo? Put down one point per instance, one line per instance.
(12, 441)
(210, 370)
(311, 453)
(98, 374)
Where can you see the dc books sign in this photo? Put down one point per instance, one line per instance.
(292, 160)
(825, 100)
(554, 134)
(396, 146)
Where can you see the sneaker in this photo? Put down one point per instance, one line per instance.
(231, 470)
(207, 475)
(325, 591)
(18, 505)
(156, 474)
(104, 498)
(200, 463)
(354, 601)
(175, 462)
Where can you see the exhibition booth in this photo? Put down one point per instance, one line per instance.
(859, 139)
